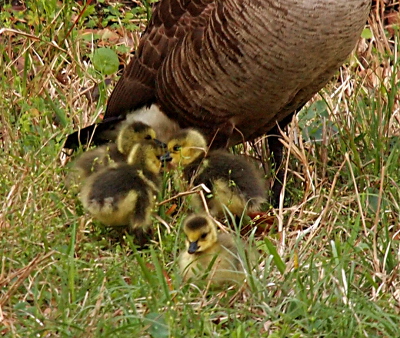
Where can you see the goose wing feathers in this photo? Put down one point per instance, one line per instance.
(170, 22)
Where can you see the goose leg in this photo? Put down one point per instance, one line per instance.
(222, 136)
(139, 224)
(276, 150)
(140, 236)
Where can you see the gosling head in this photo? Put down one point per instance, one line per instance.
(201, 233)
(186, 146)
(146, 154)
(131, 133)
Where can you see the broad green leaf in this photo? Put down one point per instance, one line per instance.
(105, 61)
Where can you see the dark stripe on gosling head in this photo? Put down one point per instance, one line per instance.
(196, 223)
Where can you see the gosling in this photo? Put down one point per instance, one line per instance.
(98, 158)
(210, 256)
(234, 182)
(123, 194)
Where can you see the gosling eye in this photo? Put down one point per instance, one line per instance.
(176, 148)
(203, 236)
(148, 137)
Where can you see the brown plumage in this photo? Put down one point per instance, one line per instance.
(237, 66)
(233, 69)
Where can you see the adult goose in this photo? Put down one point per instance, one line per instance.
(234, 68)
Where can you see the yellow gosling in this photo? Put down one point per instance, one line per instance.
(210, 256)
(235, 183)
(123, 194)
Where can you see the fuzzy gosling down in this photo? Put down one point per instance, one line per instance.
(124, 194)
(98, 158)
(235, 182)
(210, 256)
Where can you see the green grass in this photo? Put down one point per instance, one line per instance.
(329, 267)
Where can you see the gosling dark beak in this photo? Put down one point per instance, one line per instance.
(160, 144)
(166, 157)
(193, 247)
